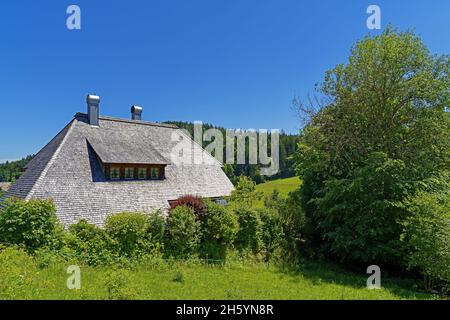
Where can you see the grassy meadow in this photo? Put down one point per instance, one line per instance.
(284, 186)
(24, 277)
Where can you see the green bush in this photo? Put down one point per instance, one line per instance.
(117, 285)
(250, 229)
(293, 222)
(359, 216)
(219, 231)
(130, 231)
(182, 235)
(427, 234)
(91, 244)
(271, 231)
(30, 223)
(245, 193)
(156, 230)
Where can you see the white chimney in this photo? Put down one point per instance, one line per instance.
(136, 112)
(92, 109)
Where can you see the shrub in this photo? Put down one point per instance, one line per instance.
(274, 200)
(117, 285)
(359, 216)
(245, 193)
(156, 229)
(219, 231)
(250, 229)
(182, 232)
(92, 245)
(194, 202)
(294, 226)
(271, 231)
(30, 223)
(427, 234)
(130, 231)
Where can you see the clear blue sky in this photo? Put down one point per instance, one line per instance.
(232, 63)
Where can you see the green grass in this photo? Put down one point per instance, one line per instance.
(21, 278)
(284, 186)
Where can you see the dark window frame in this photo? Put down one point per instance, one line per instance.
(107, 169)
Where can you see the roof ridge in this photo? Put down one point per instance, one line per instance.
(141, 122)
(52, 159)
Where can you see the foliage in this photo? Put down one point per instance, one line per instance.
(10, 171)
(282, 186)
(271, 231)
(287, 220)
(32, 224)
(390, 97)
(130, 232)
(91, 244)
(194, 202)
(381, 131)
(250, 229)
(218, 231)
(116, 284)
(182, 233)
(360, 215)
(156, 229)
(245, 193)
(427, 233)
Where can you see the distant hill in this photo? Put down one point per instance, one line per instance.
(284, 186)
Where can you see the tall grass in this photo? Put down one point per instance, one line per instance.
(25, 277)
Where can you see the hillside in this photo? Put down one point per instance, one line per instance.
(284, 186)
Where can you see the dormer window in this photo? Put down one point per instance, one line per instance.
(154, 173)
(114, 173)
(129, 173)
(142, 173)
(130, 162)
(136, 172)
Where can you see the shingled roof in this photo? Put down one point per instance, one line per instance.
(67, 170)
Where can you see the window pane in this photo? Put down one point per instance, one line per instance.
(129, 173)
(142, 173)
(154, 173)
(115, 173)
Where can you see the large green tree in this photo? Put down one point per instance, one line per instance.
(381, 133)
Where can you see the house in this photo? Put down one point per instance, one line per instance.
(98, 165)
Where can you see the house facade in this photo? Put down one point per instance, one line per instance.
(98, 165)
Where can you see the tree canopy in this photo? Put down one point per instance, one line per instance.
(379, 141)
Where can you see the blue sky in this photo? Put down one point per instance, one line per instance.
(233, 63)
